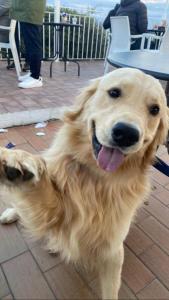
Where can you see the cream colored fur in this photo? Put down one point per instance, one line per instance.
(82, 211)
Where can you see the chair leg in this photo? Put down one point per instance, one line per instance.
(106, 69)
(15, 57)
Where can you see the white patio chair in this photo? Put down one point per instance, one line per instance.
(120, 38)
(11, 44)
(164, 47)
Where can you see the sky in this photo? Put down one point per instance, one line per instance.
(156, 8)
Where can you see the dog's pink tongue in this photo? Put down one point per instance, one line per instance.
(110, 159)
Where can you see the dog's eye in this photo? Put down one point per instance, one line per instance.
(154, 109)
(114, 93)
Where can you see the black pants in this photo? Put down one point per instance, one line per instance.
(32, 36)
(136, 44)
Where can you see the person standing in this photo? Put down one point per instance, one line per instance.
(30, 14)
(137, 14)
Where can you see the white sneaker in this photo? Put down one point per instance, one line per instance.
(22, 78)
(31, 82)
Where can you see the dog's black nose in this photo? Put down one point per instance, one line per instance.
(124, 135)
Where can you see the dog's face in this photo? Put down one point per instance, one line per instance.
(126, 112)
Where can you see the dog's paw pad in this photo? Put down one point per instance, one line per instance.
(13, 174)
(9, 216)
(27, 175)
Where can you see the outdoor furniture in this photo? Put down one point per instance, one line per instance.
(155, 63)
(11, 44)
(159, 31)
(120, 38)
(58, 33)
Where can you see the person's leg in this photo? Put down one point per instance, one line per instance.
(26, 66)
(136, 44)
(33, 44)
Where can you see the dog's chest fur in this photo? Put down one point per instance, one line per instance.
(97, 213)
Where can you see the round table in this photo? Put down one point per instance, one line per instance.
(151, 62)
(58, 29)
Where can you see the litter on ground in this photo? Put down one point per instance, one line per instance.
(3, 130)
(40, 133)
(41, 125)
(10, 145)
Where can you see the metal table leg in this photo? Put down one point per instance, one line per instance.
(65, 59)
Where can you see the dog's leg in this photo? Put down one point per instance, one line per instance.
(9, 216)
(110, 275)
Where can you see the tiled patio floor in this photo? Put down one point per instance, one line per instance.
(29, 272)
(20, 107)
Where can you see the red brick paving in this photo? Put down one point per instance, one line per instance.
(56, 92)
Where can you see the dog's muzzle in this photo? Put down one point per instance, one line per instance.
(123, 136)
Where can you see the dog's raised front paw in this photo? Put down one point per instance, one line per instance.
(18, 166)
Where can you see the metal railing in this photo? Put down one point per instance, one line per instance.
(83, 43)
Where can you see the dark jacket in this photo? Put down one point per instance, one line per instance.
(135, 10)
(29, 11)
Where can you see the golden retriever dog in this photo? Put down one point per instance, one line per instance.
(82, 194)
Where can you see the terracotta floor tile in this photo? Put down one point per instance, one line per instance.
(135, 274)
(4, 290)
(163, 196)
(157, 232)
(161, 178)
(44, 259)
(30, 242)
(158, 262)
(137, 240)
(158, 210)
(126, 293)
(141, 215)
(29, 282)
(26, 147)
(3, 142)
(67, 284)
(12, 243)
(58, 91)
(154, 290)
(14, 137)
(156, 187)
(37, 142)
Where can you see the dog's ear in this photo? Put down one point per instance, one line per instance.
(160, 137)
(81, 100)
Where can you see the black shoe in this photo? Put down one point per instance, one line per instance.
(26, 67)
(11, 66)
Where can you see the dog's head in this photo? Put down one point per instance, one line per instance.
(124, 115)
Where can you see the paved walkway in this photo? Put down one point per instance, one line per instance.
(20, 107)
(29, 272)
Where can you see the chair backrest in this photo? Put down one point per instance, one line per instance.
(120, 34)
(164, 48)
(11, 32)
